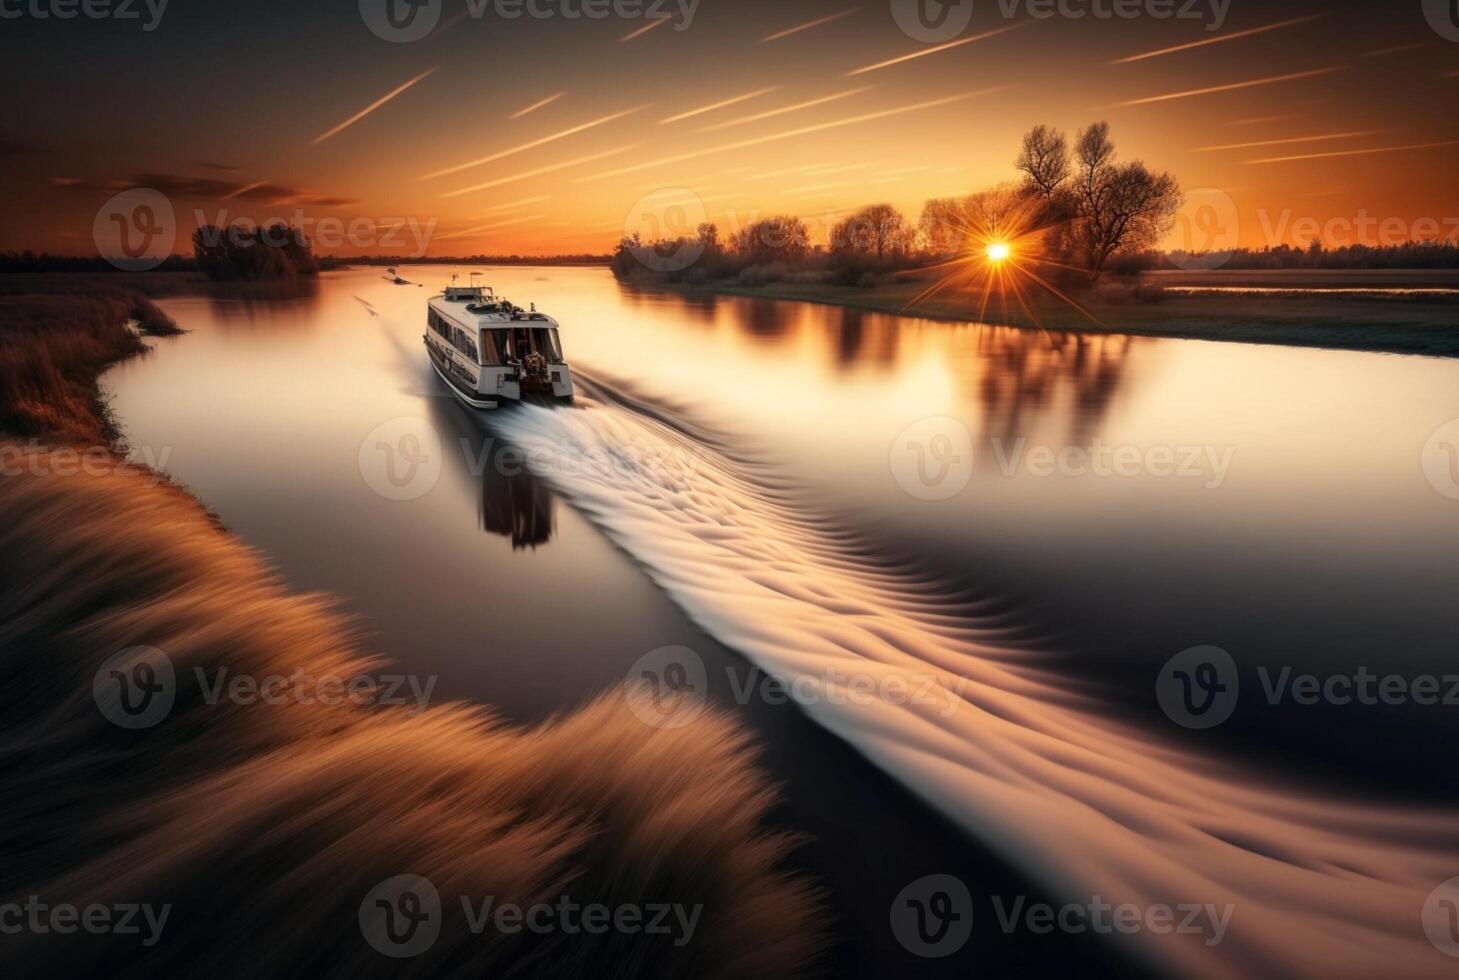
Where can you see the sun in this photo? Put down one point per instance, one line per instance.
(998, 251)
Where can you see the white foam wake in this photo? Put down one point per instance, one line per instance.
(1087, 805)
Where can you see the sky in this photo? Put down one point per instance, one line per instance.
(527, 134)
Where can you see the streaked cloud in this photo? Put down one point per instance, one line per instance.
(1358, 153)
(1217, 40)
(1231, 87)
(1254, 120)
(519, 204)
(1292, 139)
(804, 130)
(720, 105)
(522, 148)
(808, 25)
(373, 106)
(823, 100)
(937, 49)
(1396, 49)
(660, 22)
(536, 105)
(480, 229)
(552, 168)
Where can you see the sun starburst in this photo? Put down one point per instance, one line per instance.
(1003, 243)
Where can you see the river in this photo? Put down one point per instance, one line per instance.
(1034, 524)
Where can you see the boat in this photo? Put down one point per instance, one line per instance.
(490, 352)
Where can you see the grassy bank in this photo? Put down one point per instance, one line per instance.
(1396, 325)
(265, 826)
(53, 348)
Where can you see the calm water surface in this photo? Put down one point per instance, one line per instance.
(1272, 501)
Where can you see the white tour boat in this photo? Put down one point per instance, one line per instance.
(490, 352)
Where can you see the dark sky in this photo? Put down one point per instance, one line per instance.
(220, 107)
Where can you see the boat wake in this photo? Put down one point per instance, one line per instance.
(1090, 806)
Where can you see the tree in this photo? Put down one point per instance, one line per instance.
(1107, 208)
(943, 224)
(1121, 207)
(1044, 160)
(781, 238)
(876, 230)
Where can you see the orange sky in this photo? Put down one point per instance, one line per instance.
(545, 136)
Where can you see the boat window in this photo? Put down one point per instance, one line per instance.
(548, 345)
(493, 347)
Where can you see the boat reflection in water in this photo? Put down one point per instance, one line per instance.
(514, 503)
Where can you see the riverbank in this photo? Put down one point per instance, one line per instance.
(278, 821)
(1398, 323)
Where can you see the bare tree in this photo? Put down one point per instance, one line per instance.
(779, 238)
(943, 224)
(1044, 160)
(1121, 206)
(874, 230)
